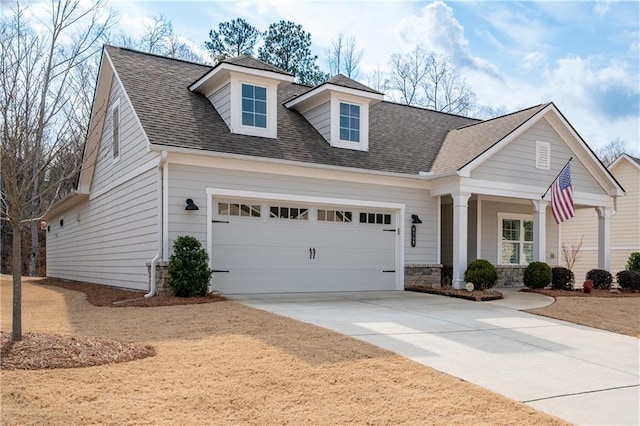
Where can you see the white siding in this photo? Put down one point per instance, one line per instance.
(320, 118)
(109, 239)
(489, 226)
(516, 162)
(191, 182)
(221, 100)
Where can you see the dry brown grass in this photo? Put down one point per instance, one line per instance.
(225, 363)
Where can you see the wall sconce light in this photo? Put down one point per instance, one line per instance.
(414, 219)
(191, 205)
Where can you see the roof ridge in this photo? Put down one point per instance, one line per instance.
(503, 116)
(141, 52)
(432, 110)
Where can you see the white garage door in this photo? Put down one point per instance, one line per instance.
(278, 247)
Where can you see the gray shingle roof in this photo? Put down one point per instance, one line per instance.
(464, 144)
(402, 139)
(341, 80)
(250, 62)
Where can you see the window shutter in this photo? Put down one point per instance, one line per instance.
(543, 155)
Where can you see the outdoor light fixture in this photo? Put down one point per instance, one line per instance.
(414, 219)
(191, 205)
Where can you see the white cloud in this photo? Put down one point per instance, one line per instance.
(437, 29)
(533, 60)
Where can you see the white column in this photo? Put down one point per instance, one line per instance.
(539, 230)
(604, 237)
(460, 238)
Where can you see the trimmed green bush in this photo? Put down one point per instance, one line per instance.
(562, 278)
(482, 274)
(633, 264)
(629, 279)
(601, 279)
(189, 272)
(537, 275)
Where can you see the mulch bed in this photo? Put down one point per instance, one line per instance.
(580, 293)
(101, 295)
(475, 295)
(37, 351)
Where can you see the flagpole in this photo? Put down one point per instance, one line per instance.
(561, 170)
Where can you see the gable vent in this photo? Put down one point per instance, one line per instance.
(543, 155)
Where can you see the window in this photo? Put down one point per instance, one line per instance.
(294, 213)
(237, 209)
(334, 215)
(254, 106)
(115, 124)
(377, 218)
(543, 155)
(349, 122)
(516, 244)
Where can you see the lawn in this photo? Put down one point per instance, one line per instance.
(225, 363)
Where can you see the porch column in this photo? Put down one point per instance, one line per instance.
(604, 237)
(460, 237)
(539, 230)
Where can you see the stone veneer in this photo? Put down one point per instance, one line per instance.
(510, 275)
(162, 284)
(424, 274)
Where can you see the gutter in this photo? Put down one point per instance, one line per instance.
(158, 256)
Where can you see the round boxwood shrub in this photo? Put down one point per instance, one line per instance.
(537, 275)
(601, 279)
(189, 271)
(482, 274)
(633, 264)
(629, 279)
(562, 278)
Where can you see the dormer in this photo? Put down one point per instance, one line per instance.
(244, 91)
(339, 111)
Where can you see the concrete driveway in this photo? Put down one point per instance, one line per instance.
(580, 374)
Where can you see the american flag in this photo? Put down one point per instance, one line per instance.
(562, 196)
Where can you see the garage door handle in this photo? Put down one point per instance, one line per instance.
(389, 270)
(310, 253)
(314, 252)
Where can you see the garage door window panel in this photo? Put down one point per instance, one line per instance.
(239, 209)
(295, 213)
(375, 218)
(343, 216)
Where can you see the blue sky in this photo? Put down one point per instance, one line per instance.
(582, 55)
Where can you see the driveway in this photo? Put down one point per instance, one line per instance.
(580, 374)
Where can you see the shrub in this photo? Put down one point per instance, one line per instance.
(562, 278)
(537, 275)
(601, 278)
(482, 274)
(629, 279)
(189, 271)
(633, 264)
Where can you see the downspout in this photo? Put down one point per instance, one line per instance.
(158, 256)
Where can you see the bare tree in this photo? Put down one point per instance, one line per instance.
(344, 56)
(40, 109)
(155, 34)
(378, 80)
(425, 79)
(609, 152)
(570, 252)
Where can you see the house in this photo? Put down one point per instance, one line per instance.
(625, 224)
(293, 188)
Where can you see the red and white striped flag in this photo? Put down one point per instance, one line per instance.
(562, 196)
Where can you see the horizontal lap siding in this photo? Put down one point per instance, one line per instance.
(110, 238)
(625, 229)
(515, 163)
(320, 119)
(221, 100)
(191, 182)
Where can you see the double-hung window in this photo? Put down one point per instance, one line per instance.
(516, 240)
(254, 106)
(349, 122)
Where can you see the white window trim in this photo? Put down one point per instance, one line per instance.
(116, 107)
(515, 216)
(242, 111)
(336, 100)
(349, 128)
(541, 147)
(237, 80)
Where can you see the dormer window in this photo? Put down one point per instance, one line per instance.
(254, 106)
(349, 122)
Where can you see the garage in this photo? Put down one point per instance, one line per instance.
(282, 246)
